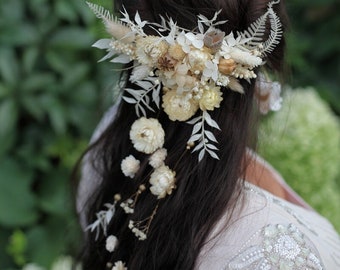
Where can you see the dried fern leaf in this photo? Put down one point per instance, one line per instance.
(275, 33)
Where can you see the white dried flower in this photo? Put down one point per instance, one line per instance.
(157, 158)
(147, 135)
(119, 266)
(178, 107)
(211, 98)
(150, 49)
(245, 58)
(130, 166)
(162, 181)
(111, 243)
(197, 59)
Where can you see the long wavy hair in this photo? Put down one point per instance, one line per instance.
(205, 190)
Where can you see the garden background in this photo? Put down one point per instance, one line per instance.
(53, 93)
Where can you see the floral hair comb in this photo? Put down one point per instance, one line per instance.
(182, 72)
(188, 67)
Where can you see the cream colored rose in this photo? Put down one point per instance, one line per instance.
(210, 99)
(178, 107)
(162, 181)
(147, 135)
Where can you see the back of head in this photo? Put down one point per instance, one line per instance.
(204, 190)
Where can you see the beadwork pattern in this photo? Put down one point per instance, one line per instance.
(283, 247)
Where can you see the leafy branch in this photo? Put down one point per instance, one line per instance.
(141, 98)
(203, 136)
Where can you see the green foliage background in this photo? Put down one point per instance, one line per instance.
(52, 94)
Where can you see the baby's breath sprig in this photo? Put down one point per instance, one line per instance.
(129, 204)
(141, 228)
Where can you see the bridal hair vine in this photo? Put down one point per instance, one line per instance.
(184, 73)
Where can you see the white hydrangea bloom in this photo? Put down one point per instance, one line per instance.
(162, 181)
(147, 135)
(157, 158)
(111, 243)
(130, 166)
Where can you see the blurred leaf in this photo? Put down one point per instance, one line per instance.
(8, 123)
(12, 11)
(71, 37)
(17, 247)
(30, 58)
(38, 82)
(48, 241)
(76, 73)
(4, 91)
(5, 260)
(53, 193)
(19, 34)
(17, 202)
(64, 10)
(9, 66)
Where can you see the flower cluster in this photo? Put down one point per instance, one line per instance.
(192, 68)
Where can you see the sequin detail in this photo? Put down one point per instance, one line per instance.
(282, 248)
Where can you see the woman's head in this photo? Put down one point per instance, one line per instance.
(205, 189)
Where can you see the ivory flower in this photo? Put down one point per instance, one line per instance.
(119, 266)
(162, 181)
(210, 99)
(197, 59)
(149, 49)
(111, 243)
(176, 52)
(147, 135)
(178, 107)
(130, 166)
(157, 158)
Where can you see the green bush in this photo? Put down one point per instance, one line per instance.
(314, 47)
(52, 94)
(302, 141)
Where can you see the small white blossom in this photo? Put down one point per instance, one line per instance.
(147, 135)
(119, 266)
(111, 243)
(162, 181)
(245, 58)
(130, 166)
(157, 158)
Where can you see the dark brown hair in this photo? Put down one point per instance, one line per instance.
(204, 190)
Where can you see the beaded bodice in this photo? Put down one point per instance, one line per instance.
(269, 233)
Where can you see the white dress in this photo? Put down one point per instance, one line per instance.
(267, 232)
